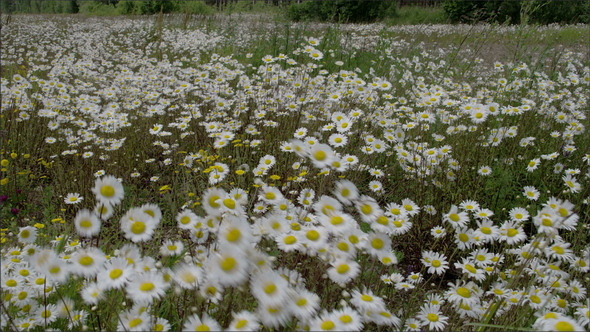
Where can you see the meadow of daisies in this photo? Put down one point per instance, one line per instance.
(236, 173)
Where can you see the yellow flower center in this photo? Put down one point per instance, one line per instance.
(147, 286)
(138, 227)
(229, 203)
(86, 261)
(336, 220)
(367, 298)
(558, 250)
(86, 223)
(511, 232)
(241, 323)
(464, 292)
(327, 325)
(213, 201)
(233, 235)
(228, 264)
(564, 326)
(345, 319)
(343, 268)
(366, 209)
(313, 235)
(432, 317)
(290, 239)
(202, 327)
(134, 322)
(343, 246)
(454, 217)
(107, 191)
(115, 273)
(377, 243)
(435, 263)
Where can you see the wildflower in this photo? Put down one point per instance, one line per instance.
(27, 234)
(305, 302)
(484, 171)
(134, 320)
(431, 315)
(228, 265)
(244, 321)
(73, 198)
(108, 190)
(115, 274)
(87, 223)
(531, 193)
(533, 164)
(461, 292)
(146, 287)
(188, 276)
(435, 262)
(137, 225)
(456, 218)
(365, 300)
(562, 323)
(171, 248)
(343, 271)
(88, 261)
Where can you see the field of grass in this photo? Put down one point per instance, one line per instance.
(238, 172)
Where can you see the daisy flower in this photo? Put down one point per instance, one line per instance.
(27, 234)
(108, 190)
(562, 323)
(115, 273)
(305, 303)
(343, 271)
(435, 262)
(104, 211)
(133, 320)
(455, 218)
(461, 292)
(87, 223)
(431, 315)
(146, 287)
(87, 262)
(171, 248)
(188, 276)
(137, 225)
(531, 193)
(73, 198)
(533, 164)
(365, 300)
(325, 322)
(244, 321)
(228, 265)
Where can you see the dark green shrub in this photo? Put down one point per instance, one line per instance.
(350, 11)
(515, 12)
(156, 6)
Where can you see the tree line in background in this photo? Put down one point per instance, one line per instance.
(456, 11)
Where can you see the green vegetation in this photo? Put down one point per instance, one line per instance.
(343, 11)
(213, 153)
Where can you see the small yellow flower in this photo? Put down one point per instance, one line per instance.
(4, 162)
(275, 177)
(39, 225)
(13, 155)
(240, 172)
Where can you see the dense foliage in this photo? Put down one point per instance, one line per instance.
(508, 11)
